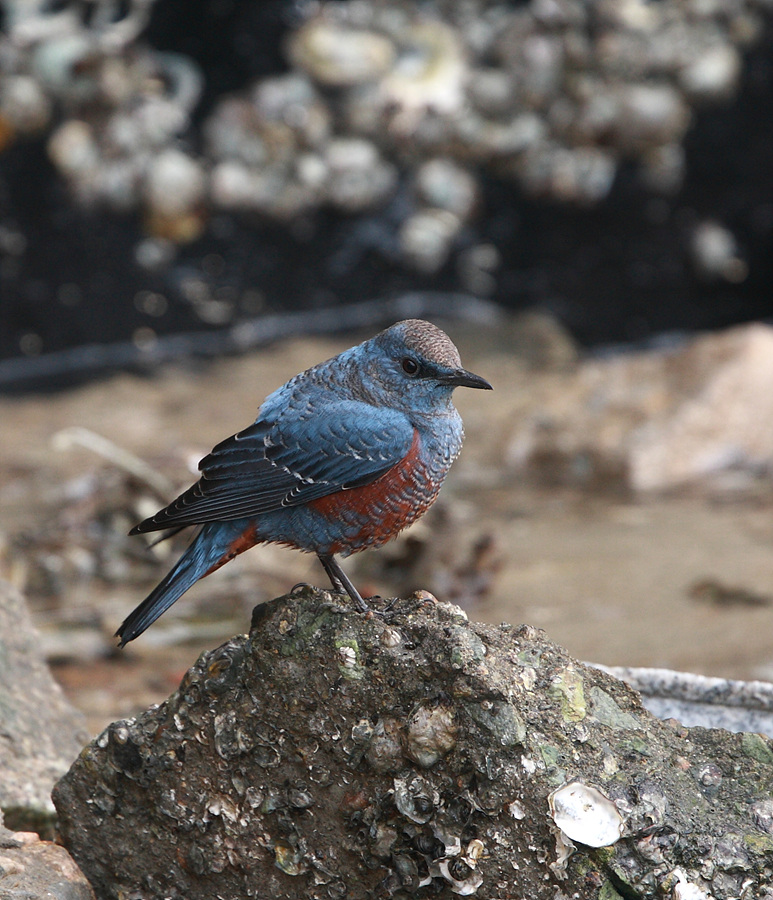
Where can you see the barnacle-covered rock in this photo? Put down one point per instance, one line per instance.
(24, 105)
(426, 238)
(357, 176)
(416, 799)
(443, 184)
(321, 757)
(174, 192)
(340, 56)
(555, 95)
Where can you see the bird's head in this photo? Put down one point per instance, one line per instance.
(418, 362)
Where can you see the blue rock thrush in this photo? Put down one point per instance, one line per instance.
(340, 458)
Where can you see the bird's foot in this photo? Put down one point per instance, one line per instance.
(302, 585)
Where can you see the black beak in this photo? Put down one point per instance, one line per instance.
(463, 378)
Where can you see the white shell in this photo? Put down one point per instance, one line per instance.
(348, 657)
(516, 810)
(465, 887)
(686, 890)
(585, 815)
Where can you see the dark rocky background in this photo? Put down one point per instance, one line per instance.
(618, 271)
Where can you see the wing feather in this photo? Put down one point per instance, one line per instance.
(271, 465)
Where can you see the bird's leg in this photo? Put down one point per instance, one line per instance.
(340, 580)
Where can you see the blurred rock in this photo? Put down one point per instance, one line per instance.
(581, 143)
(655, 420)
(541, 341)
(715, 254)
(442, 81)
(440, 553)
(718, 416)
(340, 56)
(699, 700)
(40, 733)
(31, 868)
(331, 754)
(83, 535)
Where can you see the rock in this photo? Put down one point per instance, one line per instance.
(32, 868)
(554, 98)
(721, 415)
(655, 420)
(541, 341)
(701, 700)
(40, 733)
(627, 85)
(715, 254)
(331, 754)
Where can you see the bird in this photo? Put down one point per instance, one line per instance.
(339, 459)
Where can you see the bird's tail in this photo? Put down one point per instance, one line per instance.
(208, 550)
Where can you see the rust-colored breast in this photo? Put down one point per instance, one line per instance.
(371, 515)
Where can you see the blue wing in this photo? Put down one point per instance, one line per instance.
(290, 461)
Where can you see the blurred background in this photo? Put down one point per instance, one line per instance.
(199, 198)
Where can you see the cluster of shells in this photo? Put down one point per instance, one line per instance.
(385, 102)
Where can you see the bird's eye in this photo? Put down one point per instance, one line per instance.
(409, 366)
